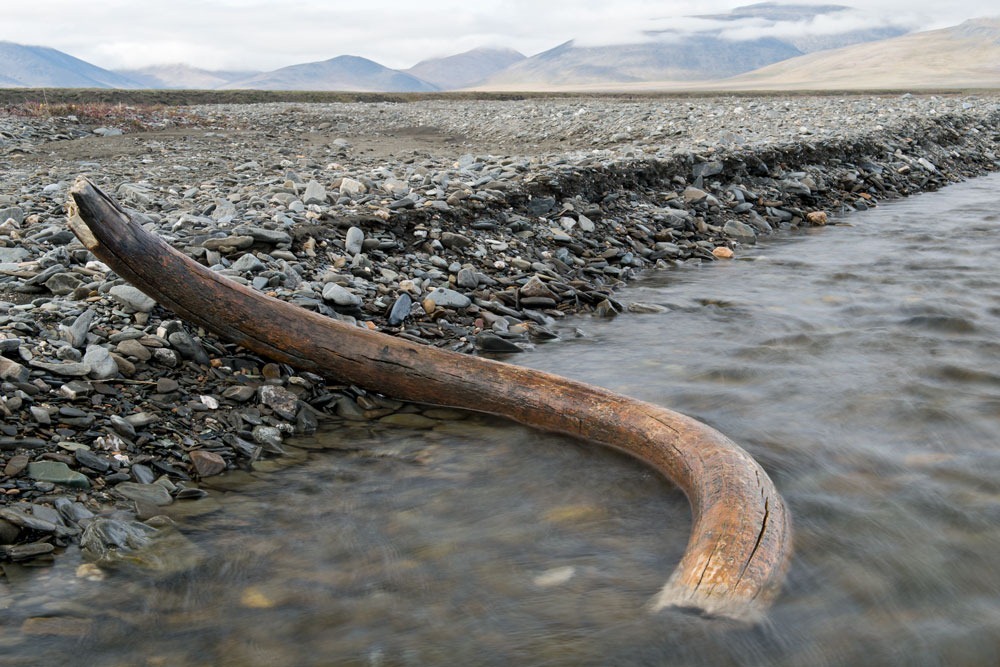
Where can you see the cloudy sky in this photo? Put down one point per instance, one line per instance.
(268, 34)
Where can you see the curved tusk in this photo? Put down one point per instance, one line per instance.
(740, 544)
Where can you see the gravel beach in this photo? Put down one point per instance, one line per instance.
(472, 225)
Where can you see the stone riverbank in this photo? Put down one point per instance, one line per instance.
(473, 225)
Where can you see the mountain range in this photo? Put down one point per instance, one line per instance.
(967, 55)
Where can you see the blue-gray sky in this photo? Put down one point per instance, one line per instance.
(264, 35)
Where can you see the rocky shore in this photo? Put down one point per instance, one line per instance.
(473, 225)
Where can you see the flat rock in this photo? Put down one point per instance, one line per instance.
(448, 298)
(153, 494)
(130, 297)
(57, 473)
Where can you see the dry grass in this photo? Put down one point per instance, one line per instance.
(127, 117)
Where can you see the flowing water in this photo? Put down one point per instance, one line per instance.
(857, 363)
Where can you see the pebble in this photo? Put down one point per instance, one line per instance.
(448, 298)
(207, 464)
(130, 297)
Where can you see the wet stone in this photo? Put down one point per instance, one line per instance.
(8, 532)
(143, 474)
(15, 465)
(279, 399)
(57, 472)
(90, 460)
(27, 551)
(153, 494)
(207, 463)
(487, 342)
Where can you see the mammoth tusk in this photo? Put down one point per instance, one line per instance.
(740, 543)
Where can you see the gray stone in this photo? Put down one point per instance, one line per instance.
(143, 474)
(239, 393)
(269, 437)
(449, 298)
(352, 243)
(340, 296)
(350, 187)
(225, 211)
(102, 365)
(106, 538)
(153, 494)
(76, 333)
(248, 262)
(694, 195)
(405, 202)
(794, 187)
(57, 472)
(706, 169)
(455, 241)
(279, 399)
(400, 309)
(12, 371)
(467, 278)
(15, 213)
(395, 187)
(188, 347)
(75, 389)
(314, 194)
(62, 284)
(13, 255)
(75, 369)
(23, 519)
(135, 349)
(88, 459)
(135, 193)
(264, 235)
(740, 232)
(229, 243)
(132, 298)
(487, 342)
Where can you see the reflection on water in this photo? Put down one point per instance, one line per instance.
(857, 363)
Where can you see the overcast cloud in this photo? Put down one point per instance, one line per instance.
(262, 35)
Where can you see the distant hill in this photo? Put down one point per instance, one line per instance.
(347, 73)
(679, 55)
(465, 69)
(967, 55)
(41, 67)
(687, 58)
(183, 77)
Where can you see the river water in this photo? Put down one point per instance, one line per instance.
(857, 363)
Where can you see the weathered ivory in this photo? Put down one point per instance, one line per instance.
(740, 543)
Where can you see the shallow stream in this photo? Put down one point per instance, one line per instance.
(857, 363)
